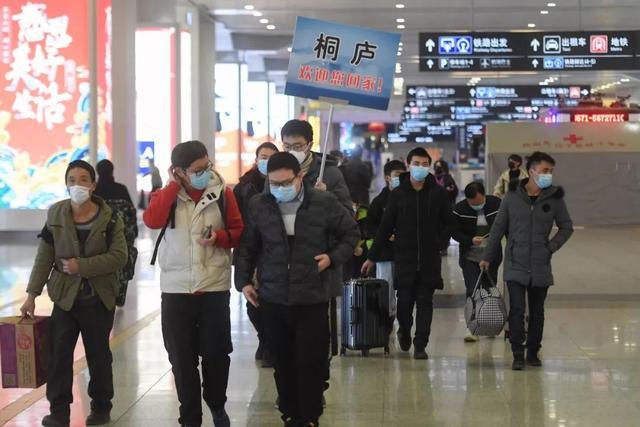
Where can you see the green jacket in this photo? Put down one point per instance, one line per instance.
(59, 240)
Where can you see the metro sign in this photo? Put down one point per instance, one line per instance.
(599, 44)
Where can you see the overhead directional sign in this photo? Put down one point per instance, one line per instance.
(530, 51)
(471, 51)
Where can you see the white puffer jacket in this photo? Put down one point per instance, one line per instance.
(186, 266)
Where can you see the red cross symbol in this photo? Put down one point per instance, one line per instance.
(573, 138)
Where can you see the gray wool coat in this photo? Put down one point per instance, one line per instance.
(527, 226)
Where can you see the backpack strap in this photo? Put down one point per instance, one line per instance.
(170, 221)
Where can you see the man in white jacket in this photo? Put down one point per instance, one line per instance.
(201, 222)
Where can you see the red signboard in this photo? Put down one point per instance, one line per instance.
(599, 117)
(44, 95)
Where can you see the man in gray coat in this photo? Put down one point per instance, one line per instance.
(527, 215)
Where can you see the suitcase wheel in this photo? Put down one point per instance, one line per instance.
(386, 350)
(365, 353)
(343, 351)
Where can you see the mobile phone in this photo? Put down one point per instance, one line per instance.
(206, 232)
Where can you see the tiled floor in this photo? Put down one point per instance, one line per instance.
(591, 375)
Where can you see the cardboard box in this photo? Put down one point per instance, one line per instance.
(24, 349)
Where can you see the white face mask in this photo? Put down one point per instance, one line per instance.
(79, 194)
(299, 155)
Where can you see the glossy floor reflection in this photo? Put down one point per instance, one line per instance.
(591, 373)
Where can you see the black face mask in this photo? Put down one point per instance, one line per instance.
(438, 170)
(513, 165)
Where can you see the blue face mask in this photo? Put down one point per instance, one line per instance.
(544, 180)
(262, 166)
(395, 182)
(284, 194)
(419, 173)
(477, 208)
(200, 182)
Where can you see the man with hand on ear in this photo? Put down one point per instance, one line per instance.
(201, 222)
(295, 236)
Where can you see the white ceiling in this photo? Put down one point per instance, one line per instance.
(445, 15)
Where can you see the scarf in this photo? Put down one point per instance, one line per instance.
(306, 164)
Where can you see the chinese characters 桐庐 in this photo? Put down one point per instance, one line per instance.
(327, 46)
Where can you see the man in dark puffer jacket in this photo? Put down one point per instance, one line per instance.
(294, 236)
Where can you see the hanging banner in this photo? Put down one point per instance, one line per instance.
(342, 62)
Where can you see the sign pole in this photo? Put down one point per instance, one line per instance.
(326, 143)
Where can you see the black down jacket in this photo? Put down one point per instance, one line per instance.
(289, 275)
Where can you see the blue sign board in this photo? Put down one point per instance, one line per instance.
(455, 45)
(146, 152)
(341, 62)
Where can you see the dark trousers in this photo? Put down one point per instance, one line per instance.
(517, 304)
(94, 322)
(420, 296)
(471, 271)
(255, 317)
(195, 326)
(299, 340)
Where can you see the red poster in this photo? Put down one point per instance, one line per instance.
(44, 96)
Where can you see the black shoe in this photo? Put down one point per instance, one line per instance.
(324, 402)
(518, 362)
(267, 360)
(405, 340)
(98, 418)
(533, 359)
(260, 352)
(220, 418)
(420, 354)
(53, 420)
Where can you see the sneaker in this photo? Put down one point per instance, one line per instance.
(533, 359)
(518, 362)
(470, 338)
(404, 340)
(289, 421)
(220, 418)
(420, 354)
(98, 418)
(53, 420)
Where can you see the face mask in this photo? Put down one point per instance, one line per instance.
(477, 208)
(439, 170)
(419, 173)
(79, 194)
(200, 182)
(299, 155)
(512, 165)
(395, 182)
(544, 180)
(284, 194)
(262, 166)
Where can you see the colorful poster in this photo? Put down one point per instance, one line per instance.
(44, 96)
(337, 61)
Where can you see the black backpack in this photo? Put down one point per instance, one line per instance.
(172, 221)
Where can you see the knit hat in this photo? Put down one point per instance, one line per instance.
(187, 152)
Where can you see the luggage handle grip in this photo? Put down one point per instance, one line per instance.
(483, 272)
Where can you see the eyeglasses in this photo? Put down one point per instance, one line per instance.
(294, 147)
(282, 183)
(203, 171)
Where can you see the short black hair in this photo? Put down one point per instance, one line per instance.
(269, 145)
(516, 158)
(418, 152)
(283, 160)
(473, 189)
(105, 168)
(297, 127)
(394, 165)
(538, 157)
(187, 152)
(82, 165)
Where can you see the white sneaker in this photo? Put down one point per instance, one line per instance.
(470, 338)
